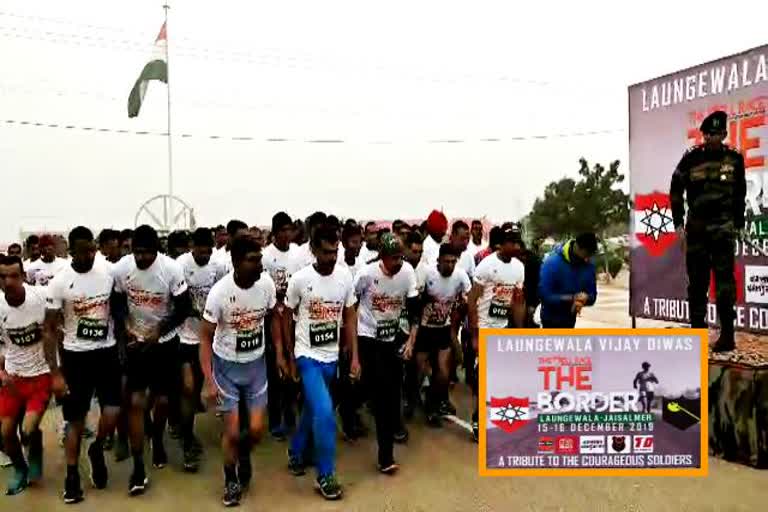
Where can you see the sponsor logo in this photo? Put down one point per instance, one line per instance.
(567, 445)
(642, 444)
(682, 413)
(619, 444)
(546, 444)
(592, 444)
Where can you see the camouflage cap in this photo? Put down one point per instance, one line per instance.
(716, 122)
(389, 244)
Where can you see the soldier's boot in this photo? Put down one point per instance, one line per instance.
(698, 322)
(726, 342)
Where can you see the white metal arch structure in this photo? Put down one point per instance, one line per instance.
(166, 213)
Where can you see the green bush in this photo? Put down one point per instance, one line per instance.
(615, 264)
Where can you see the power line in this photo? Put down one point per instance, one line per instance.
(40, 124)
(290, 62)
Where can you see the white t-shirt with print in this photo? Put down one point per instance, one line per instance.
(149, 293)
(441, 295)
(22, 332)
(353, 269)
(382, 299)
(430, 252)
(319, 302)
(421, 272)
(199, 280)
(474, 249)
(224, 258)
(467, 263)
(366, 254)
(83, 300)
(304, 256)
(239, 317)
(40, 273)
(281, 265)
(499, 281)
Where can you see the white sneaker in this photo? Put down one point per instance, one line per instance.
(5, 461)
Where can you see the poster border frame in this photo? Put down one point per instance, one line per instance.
(701, 471)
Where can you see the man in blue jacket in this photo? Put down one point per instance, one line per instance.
(567, 282)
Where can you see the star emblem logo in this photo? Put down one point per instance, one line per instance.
(653, 222)
(509, 413)
(657, 221)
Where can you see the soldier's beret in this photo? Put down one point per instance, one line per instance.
(715, 122)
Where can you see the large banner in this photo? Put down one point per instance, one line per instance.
(664, 119)
(593, 402)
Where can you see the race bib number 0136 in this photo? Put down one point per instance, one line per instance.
(249, 341)
(323, 334)
(91, 330)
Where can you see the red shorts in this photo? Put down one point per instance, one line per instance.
(28, 393)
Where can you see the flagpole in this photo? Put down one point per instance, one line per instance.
(169, 209)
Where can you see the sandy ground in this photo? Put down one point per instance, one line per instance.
(439, 473)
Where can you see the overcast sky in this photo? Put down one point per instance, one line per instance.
(403, 72)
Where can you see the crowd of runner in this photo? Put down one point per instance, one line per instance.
(276, 330)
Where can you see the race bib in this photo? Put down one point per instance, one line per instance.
(92, 330)
(387, 329)
(249, 341)
(498, 311)
(323, 333)
(26, 335)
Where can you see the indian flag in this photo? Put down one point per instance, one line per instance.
(155, 69)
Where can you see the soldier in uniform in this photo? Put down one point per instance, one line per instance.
(711, 175)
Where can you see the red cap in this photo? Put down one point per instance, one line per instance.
(46, 240)
(437, 222)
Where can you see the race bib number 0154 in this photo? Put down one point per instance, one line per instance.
(91, 330)
(323, 334)
(249, 341)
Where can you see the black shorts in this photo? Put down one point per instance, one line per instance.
(88, 373)
(190, 354)
(154, 366)
(433, 339)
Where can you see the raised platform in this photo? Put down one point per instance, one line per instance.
(738, 402)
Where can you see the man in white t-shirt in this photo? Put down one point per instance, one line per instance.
(437, 227)
(232, 354)
(460, 241)
(304, 253)
(153, 292)
(24, 372)
(370, 251)
(351, 245)
(281, 260)
(79, 305)
(476, 243)
(31, 250)
(497, 298)
(40, 272)
(383, 289)
(444, 288)
(323, 299)
(223, 257)
(201, 274)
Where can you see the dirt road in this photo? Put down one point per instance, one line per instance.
(439, 473)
